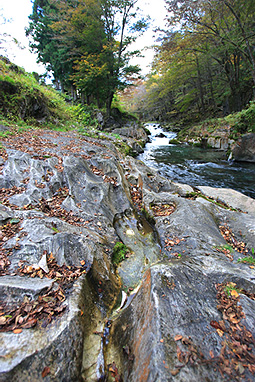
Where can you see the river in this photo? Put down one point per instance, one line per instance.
(196, 166)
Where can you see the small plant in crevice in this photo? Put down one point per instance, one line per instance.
(119, 253)
(224, 248)
(231, 289)
(248, 260)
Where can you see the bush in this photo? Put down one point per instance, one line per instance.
(245, 120)
(84, 115)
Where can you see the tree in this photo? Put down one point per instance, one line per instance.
(228, 26)
(86, 41)
(205, 62)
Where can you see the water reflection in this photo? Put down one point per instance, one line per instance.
(196, 166)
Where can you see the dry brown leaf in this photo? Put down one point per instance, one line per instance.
(178, 337)
(220, 332)
(234, 293)
(175, 371)
(2, 320)
(45, 371)
(17, 331)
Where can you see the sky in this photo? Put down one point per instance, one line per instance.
(17, 12)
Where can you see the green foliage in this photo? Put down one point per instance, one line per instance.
(174, 142)
(205, 65)
(84, 114)
(119, 253)
(245, 120)
(84, 43)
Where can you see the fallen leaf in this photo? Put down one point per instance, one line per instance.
(234, 293)
(216, 325)
(234, 320)
(17, 331)
(220, 332)
(2, 320)
(30, 323)
(211, 354)
(178, 337)
(45, 371)
(175, 371)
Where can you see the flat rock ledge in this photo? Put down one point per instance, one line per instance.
(159, 315)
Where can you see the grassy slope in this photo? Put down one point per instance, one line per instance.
(26, 104)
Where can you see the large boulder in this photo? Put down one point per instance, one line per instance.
(244, 150)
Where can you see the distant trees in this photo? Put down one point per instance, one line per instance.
(84, 43)
(206, 62)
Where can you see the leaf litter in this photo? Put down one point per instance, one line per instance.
(48, 305)
(236, 359)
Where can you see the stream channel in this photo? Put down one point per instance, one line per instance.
(196, 166)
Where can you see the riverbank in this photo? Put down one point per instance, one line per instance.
(219, 133)
(196, 166)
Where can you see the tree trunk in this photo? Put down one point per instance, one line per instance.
(199, 80)
(109, 103)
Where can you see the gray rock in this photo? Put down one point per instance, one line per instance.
(244, 150)
(175, 288)
(5, 213)
(14, 288)
(233, 198)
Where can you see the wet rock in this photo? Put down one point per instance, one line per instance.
(161, 135)
(137, 149)
(141, 240)
(244, 150)
(170, 316)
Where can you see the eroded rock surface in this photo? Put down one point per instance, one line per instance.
(159, 315)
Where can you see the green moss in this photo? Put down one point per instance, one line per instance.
(174, 142)
(119, 253)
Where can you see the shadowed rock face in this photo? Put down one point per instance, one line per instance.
(70, 197)
(244, 151)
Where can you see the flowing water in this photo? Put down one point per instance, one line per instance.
(196, 166)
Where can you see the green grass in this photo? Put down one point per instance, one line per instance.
(248, 260)
(20, 91)
(239, 123)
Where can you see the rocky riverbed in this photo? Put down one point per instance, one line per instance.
(179, 307)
